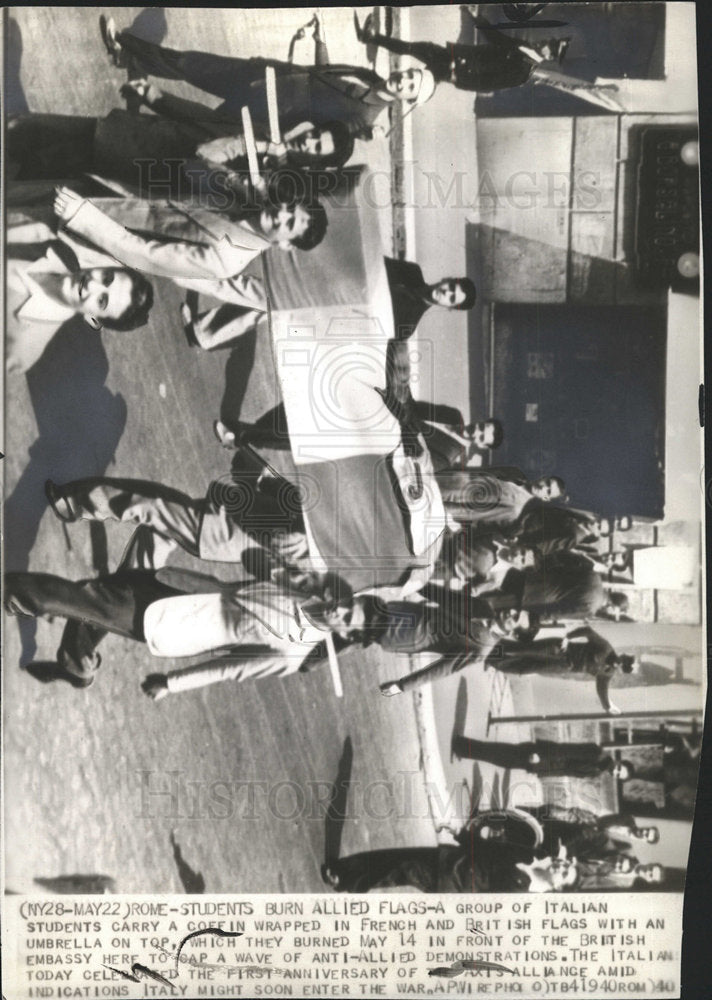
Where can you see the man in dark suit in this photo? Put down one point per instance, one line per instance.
(561, 585)
(502, 63)
(581, 653)
(586, 835)
(353, 95)
(495, 497)
(412, 296)
(549, 528)
(545, 758)
(466, 867)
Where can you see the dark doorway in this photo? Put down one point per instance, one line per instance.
(581, 392)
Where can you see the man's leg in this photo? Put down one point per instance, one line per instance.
(438, 413)
(221, 326)
(115, 603)
(414, 866)
(525, 657)
(224, 76)
(435, 57)
(51, 147)
(168, 512)
(443, 667)
(77, 650)
(508, 755)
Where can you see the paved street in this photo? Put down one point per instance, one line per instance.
(85, 769)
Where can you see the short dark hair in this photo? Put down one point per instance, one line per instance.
(626, 662)
(470, 291)
(317, 228)
(136, 313)
(498, 434)
(343, 146)
(611, 763)
(561, 483)
(618, 600)
(332, 587)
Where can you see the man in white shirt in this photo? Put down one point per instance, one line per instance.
(49, 281)
(196, 247)
(255, 629)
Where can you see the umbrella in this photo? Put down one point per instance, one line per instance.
(595, 93)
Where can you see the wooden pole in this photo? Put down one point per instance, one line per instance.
(272, 109)
(252, 160)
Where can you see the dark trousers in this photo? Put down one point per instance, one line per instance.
(414, 866)
(49, 147)
(528, 657)
(575, 759)
(507, 755)
(224, 76)
(114, 603)
(270, 431)
(436, 57)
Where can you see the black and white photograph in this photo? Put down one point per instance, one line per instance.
(354, 492)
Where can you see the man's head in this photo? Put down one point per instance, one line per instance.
(509, 619)
(327, 145)
(653, 874)
(623, 864)
(621, 769)
(626, 663)
(618, 560)
(453, 293)
(616, 606)
(649, 834)
(520, 556)
(414, 86)
(299, 224)
(548, 488)
(485, 434)
(112, 297)
(563, 873)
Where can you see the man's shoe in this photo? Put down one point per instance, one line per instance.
(61, 507)
(563, 46)
(107, 27)
(47, 671)
(329, 876)
(186, 318)
(226, 437)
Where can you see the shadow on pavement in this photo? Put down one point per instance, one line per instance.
(150, 25)
(192, 881)
(15, 100)
(237, 376)
(336, 810)
(80, 423)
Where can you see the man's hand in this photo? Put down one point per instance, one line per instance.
(155, 686)
(66, 203)
(277, 150)
(614, 710)
(146, 91)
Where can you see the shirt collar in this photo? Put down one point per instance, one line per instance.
(40, 306)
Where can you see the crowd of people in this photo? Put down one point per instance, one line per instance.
(516, 572)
